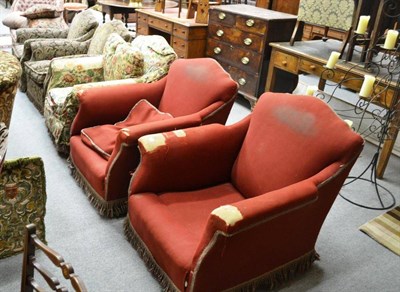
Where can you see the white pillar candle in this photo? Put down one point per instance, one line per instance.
(349, 123)
(367, 86)
(333, 58)
(391, 38)
(363, 24)
(311, 90)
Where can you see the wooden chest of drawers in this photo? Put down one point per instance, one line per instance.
(239, 37)
(186, 37)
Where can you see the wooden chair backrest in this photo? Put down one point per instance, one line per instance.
(30, 264)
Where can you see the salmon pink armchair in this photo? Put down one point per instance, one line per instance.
(219, 207)
(110, 120)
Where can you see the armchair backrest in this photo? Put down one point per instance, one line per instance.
(291, 138)
(103, 32)
(22, 5)
(83, 26)
(194, 84)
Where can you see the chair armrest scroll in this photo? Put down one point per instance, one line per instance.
(188, 159)
(111, 104)
(24, 34)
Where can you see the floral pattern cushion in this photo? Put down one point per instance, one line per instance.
(103, 32)
(68, 71)
(23, 5)
(42, 11)
(82, 23)
(121, 60)
(335, 14)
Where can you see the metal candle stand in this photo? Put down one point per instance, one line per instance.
(382, 122)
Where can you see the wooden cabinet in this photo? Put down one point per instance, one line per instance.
(186, 37)
(239, 37)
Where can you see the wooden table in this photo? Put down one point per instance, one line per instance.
(187, 37)
(122, 7)
(287, 62)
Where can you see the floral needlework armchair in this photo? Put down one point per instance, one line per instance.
(69, 77)
(230, 208)
(37, 68)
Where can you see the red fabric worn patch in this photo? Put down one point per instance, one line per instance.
(102, 138)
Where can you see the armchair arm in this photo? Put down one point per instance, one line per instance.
(71, 70)
(49, 49)
(187, 159)
(111, 104)
(24, 34)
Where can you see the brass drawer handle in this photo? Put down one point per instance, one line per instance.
(245, 60)
(312, 67)
(221, 15)
(217, 50)
(250, 22)
(220, 32)
(284, 63)
(242, 81)
(247, 41)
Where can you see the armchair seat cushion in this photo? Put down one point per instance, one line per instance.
(102, 138)
(186, 213)
(37, 70)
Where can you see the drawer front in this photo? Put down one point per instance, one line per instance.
(192, 33)
(244, 59)
(221, 18)
(251, 24)
(285, 62)
(310, 67)
(179, 44)
(142, 17)
(247, 82)
(160, 24)
(142, 29)
(237, 37)
(182, 54)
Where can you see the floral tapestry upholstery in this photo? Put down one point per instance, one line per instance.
(22, 201)
(61, 104)
(121, 60)
(10, 73)
(42, 11)
(103, 32)
(57, 23)
(335, 14)
(23, 5)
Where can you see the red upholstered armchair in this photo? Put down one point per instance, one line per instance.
(219, 207)
(110, 120)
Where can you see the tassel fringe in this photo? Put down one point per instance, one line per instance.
(268, 281)
(162, 278)
(111, 209)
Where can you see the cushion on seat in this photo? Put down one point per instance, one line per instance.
(57, 22)
(186, 214)
(121, 60)
(37, 70)
(102, 138)
(42, 11)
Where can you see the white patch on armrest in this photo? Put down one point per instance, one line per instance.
(179, 133)
(152, 142)
(230, 214)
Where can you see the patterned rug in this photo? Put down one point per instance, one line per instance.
(22, 201)
(385, 229)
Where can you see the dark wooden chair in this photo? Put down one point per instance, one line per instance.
(30, 264)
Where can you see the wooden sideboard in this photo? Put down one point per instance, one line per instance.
(287, 62)
(186, 37)
(239, 37)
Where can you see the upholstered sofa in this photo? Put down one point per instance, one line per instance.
(10, 73)
(37, 68)
(231, 208)
(14, 20)
(61, 102)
